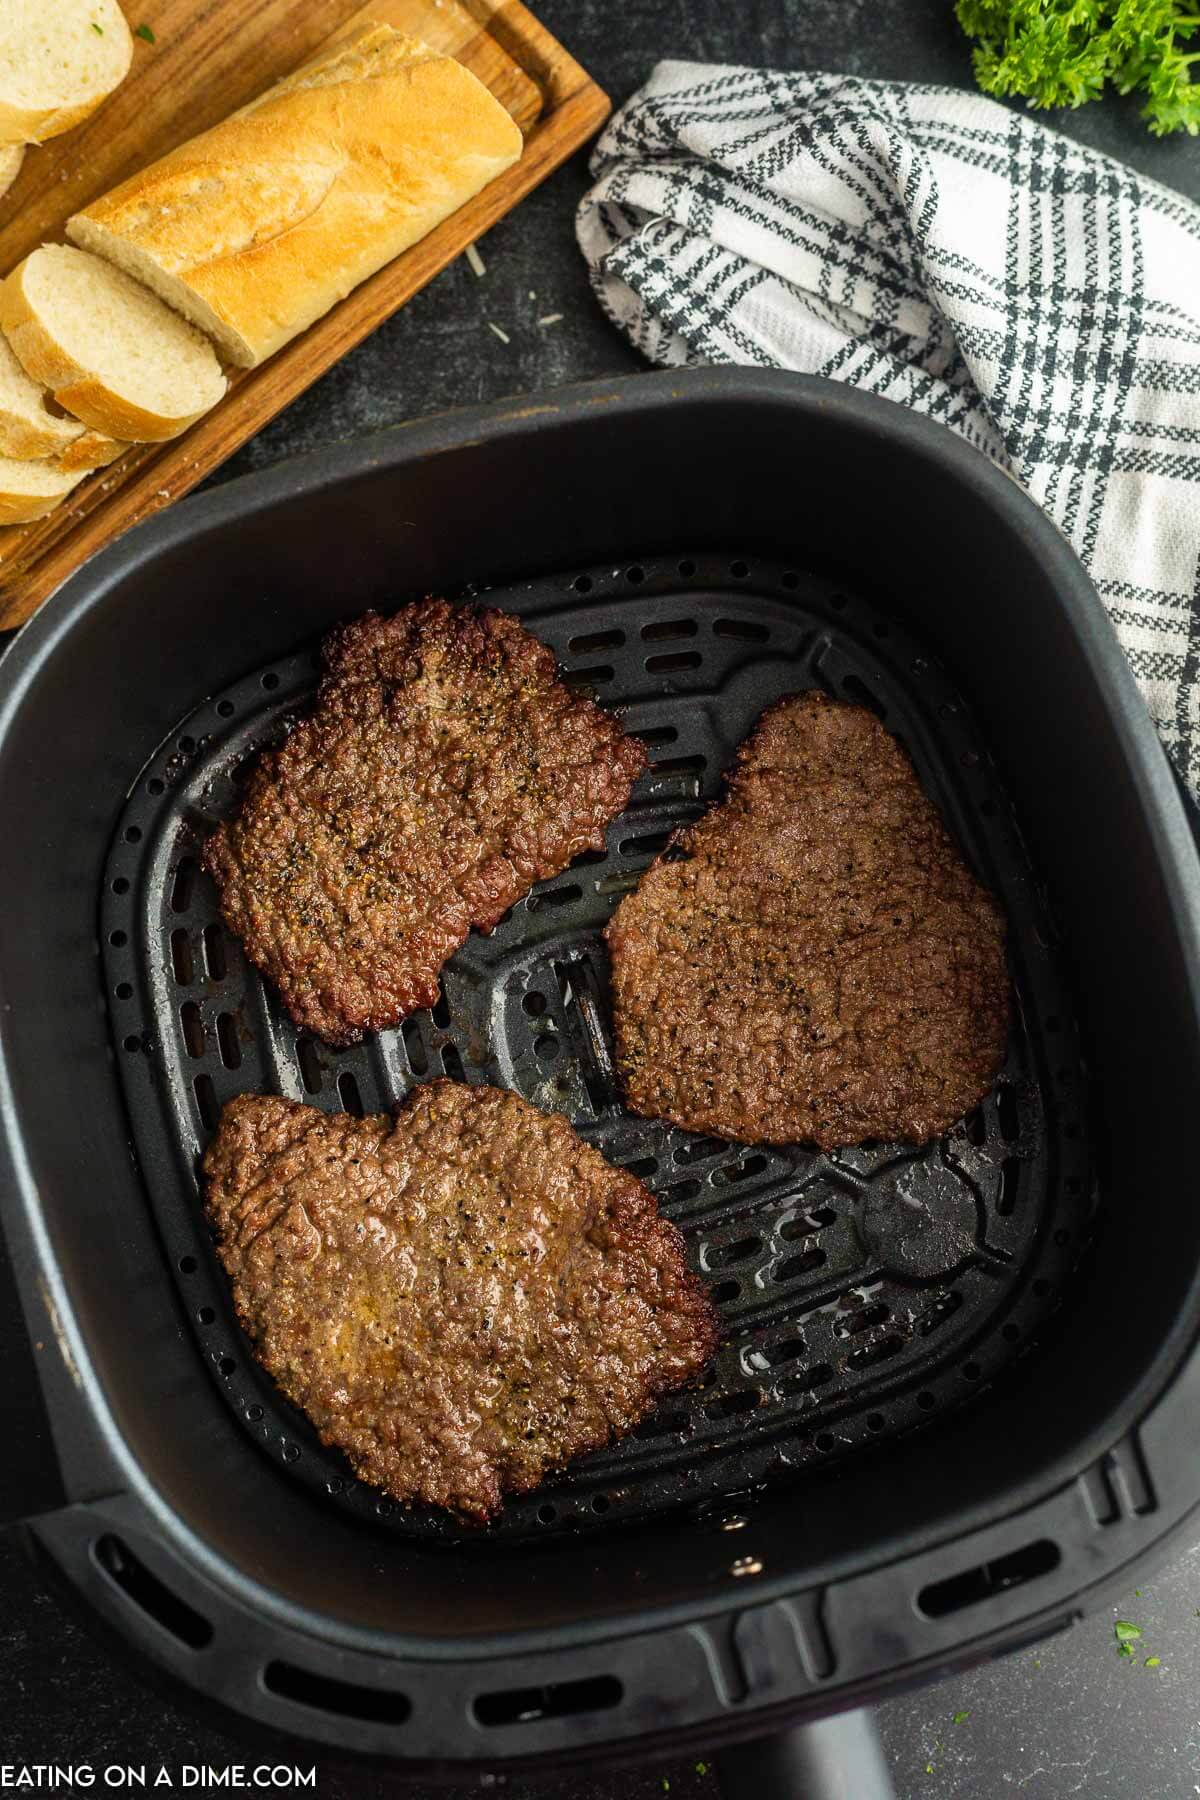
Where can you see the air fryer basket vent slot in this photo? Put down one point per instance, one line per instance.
(150, 1595)
(844, 1324)
(941, 1598)
(521, 1706)
(345, 1699)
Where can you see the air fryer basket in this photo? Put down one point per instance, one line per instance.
(918, 1446)
(860, 1291)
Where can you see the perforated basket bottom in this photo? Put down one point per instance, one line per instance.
(861, 1291)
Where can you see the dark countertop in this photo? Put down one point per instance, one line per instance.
(1070, 1717)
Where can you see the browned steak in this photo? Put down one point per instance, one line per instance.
(821, 966)
(443, 770)
(461, 1297)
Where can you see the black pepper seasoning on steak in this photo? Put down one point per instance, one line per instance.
(443, 771)
(821, 966)
(461, 1297)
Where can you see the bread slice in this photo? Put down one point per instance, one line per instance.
(109, 352)
(91, 450)
(27, 426)
(259, 226)
(29, 490)
(58, 60)
(11, 158)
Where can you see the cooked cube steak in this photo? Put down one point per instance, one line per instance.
(462, 1296)
(444, 769)
(820, 966)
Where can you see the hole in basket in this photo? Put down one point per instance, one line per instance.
(926, 1401)
(663, 629)
(864, 1318)
(803, 1224)
(205, 1315)
(214, 952)
(636, 574)
(452, 1062)
(124, 990)
(155, 786)
(225, 709)
(941, 1598)
(554, 897)
(582, 681)
(687, 568)
(133, 1042)
(972, 1371)
(730, 1405)
(680, 765)
(227, 1041)
(349, 1095)
(1010, 1332)
(790, 579)
(118, 939)
(345, 1699)
(679, 1191)
(657, 734)
(723, 1256)
(1007, 1114)
(187, 1265)
(226, 1366)
(182, 961)
(739, 570)
(870, 1354)
(643, 1167)
(600, 1503)
(150, 1595)
(680, 659)
(133, 835)
(546, 1047)
(805, 1380)
(193, 1028)
(875, 1421)
(414, 1048)
(858, 690)
(120, 885)
(440, 1011)
(794, 1266)
(1010, 1177)
(311, 1073)
(547, 1513)
(976, 1127)
(744, 629)
(784, 1350)
(181, 887)
(582, 584)
(725, 1291)
(825, 1441)
(596, 640)
(559, 1699)
(649, 844)
(740, 1171)
(534, 1005)
(270, 681)
(187, 745)
(206, 1100)
(700, 1150)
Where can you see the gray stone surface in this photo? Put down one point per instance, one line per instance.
(1069, 1718)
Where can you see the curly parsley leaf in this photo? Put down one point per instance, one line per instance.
(1065, 52)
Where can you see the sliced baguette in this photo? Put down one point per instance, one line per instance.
(27, 426)
(109, 352)
(257, 227)
(29, 490)
(91, 450)
(11, 158)
(58, 60)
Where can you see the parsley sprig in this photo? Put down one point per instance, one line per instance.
(1064, 52)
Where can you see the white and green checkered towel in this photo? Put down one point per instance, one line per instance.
(934, 247)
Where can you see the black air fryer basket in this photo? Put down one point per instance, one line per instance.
(958, 1391)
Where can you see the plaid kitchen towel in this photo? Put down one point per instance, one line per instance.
(931, 246)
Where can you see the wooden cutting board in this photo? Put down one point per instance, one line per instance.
(208, 58)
